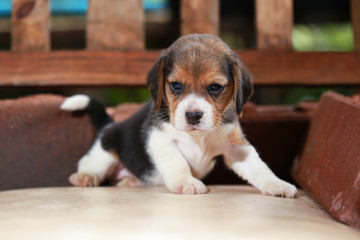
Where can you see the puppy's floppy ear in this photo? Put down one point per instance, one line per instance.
(243, 87)
(156, 80)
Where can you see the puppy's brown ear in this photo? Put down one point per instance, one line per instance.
(243, 87)
(156, 81)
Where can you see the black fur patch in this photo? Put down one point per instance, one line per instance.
(229, 116)
(128, 139)
(97, 113)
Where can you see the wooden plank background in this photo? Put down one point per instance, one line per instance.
(115, 25)
(30, 25)
(274, 24)
(200, 16)
(355, 17)
(104, 68)
(119, 25)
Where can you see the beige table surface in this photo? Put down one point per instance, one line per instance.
(227, 212)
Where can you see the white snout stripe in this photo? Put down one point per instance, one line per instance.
(194, 103)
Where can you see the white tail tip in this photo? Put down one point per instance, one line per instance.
(76, 102)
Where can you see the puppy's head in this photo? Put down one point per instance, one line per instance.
(201, 81)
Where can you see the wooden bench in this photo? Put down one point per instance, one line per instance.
(115, 56)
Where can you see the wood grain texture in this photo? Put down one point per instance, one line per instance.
(115, 25)
(84, 68)
(30, 25)
(296, 68)
(355, 18)
(274, 23)
(200, 16)
(76, 68)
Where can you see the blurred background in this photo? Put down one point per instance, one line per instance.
(322, 25)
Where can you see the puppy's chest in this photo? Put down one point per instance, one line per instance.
(199, 151)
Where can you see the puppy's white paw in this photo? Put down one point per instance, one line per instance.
(190, 186)
(84, 180)
(129, 182)
(279, 188)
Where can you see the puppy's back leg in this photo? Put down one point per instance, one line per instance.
(93, 167)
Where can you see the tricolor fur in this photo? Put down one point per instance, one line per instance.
(199, 86)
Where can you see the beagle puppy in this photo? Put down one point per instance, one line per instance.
(198, 87)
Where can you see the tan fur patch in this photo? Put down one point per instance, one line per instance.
(237, 137)
(160, 86)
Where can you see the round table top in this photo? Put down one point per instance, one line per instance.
(227, 212)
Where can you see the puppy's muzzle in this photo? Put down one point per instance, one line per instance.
(193, 118)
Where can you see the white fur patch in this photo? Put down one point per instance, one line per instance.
(97, 161)
(181, 157)
(193, 103)
(76, 102)
(250, 167)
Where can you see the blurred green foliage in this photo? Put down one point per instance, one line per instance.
(300, 94)
(234, 40)
(323, 37)
(113, 97)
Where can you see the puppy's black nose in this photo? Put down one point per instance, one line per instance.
(193, 118)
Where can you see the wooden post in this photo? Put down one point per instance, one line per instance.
(274, 24)
(355, 18)
(200, 16)
(30, 25)
(115, 25)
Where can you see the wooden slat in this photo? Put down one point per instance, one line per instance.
(84, 68)
(274, 24)
(76, 68)
(200, 16)
(115, 25)
(307, 68)
(30, 25)
(355, 17)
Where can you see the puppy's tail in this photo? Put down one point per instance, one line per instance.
(95, 109)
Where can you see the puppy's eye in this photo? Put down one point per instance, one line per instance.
(215, 89)
(176, 87)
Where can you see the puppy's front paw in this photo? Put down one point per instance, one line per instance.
(190, 186)
(84, 180)
(279, 188)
